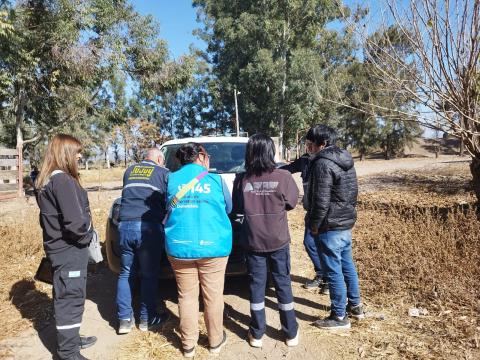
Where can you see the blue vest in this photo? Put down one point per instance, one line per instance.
(198, 225)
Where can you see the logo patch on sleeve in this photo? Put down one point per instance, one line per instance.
(74, 274)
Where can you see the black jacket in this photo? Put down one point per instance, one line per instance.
(333, 190)
(144, 192)
(64, 214)
(300, 165)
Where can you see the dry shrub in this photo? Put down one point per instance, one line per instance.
(411, 255)
(23, 301)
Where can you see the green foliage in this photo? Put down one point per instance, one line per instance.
(377, 113)
(269, 50)
(64, 66)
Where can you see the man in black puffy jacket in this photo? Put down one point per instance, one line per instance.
(330, 203)
(319, 281)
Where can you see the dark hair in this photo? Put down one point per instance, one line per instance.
(188, 152)
(259, 155)
(322, 135)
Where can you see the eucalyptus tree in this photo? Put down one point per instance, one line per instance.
(266, 50)
(59, 61)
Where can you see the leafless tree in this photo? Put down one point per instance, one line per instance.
(444, 67)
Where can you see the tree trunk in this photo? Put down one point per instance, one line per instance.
(475, 170)
(387, 148)
(19, 132)
(362, 155)
(107, 158)
(19, 119)
(125, 149)
(284, 85)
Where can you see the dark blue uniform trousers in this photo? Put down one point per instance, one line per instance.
(279, 263)
(69, 291)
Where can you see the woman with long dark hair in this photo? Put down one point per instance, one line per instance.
(264, 194)
(67, 231)
(198, 239)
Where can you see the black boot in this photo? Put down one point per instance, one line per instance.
(87, 341)
(77, 356)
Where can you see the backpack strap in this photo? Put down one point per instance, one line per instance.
(185, 189)
(182, 192)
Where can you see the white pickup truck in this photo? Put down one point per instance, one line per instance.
(227, 158)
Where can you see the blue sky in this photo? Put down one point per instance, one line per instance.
(177, 20)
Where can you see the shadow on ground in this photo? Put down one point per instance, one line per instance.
(438, 184)
(37, 307)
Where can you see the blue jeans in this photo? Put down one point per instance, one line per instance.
(335, 251)
(279, 262)
(311, 248)
(141, 245)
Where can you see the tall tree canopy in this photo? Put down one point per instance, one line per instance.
(267, 50)
(62, 63)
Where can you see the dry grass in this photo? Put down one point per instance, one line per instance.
(23, 301)
(411, 256)
(100, 176)
(411, 248)
(163, 345)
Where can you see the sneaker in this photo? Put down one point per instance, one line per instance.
(333, 322)
(257, 343)
(355, 312)
(216, 349)
(87, 341)
(324, 288)
(125, 326)
(314, 283)
(294, 341)
(189, 353)
(155, 323)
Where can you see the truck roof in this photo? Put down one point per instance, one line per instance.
(208, 139)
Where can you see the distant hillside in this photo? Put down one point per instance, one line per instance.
(426, 147)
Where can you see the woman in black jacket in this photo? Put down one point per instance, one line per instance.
(67, 231)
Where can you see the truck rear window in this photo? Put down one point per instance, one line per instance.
(224, 157)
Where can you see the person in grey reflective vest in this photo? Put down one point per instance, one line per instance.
(67, 230)
(142, 236)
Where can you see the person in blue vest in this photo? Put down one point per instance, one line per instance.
(142, 210)
(198, 242)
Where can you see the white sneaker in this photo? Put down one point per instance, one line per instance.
(294, 341)
(216, 349)
(254, 342)
(190, 353)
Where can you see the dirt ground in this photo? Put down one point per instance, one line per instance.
(385, 333)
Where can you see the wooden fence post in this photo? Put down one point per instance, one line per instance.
(11, 171)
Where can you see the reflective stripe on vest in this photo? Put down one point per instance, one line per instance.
(142, 185)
